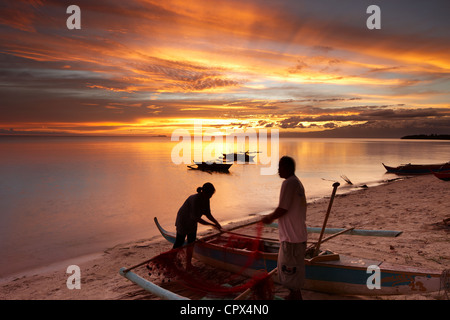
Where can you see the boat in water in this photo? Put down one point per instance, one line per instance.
(213, 166)
(239, 157)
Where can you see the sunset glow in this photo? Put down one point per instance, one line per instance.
(150, 67)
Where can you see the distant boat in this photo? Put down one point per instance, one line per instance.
(242, 156)
(414, 169)
(205, 166)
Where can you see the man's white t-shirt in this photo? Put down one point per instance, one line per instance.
(292, 225)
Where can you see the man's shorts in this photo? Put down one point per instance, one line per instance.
(291, 265)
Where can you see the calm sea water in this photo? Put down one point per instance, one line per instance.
(62, 198)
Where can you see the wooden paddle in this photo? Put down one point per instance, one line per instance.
(335, 186)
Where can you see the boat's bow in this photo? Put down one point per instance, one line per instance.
(169, 236)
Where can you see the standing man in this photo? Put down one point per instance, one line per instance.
(291, 215)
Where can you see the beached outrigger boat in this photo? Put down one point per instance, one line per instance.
(413, 169)
(213, 166)
(444, 172)
(443, 175)
(328, 272)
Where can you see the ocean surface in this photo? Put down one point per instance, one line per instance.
(67, 197)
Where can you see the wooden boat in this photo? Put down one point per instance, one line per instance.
(443, 175)
(213, 166)
(413, 169)
(327, 272)
(240, 157)
(444, 172)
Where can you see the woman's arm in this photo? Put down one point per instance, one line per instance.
(215, 222)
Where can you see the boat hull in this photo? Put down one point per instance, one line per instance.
(443, 175)
(414, 169)
(342, 275)
(329, 273)
(204, 166)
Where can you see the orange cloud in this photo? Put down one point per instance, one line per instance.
(250, 61)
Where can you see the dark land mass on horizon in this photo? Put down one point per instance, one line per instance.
(371, 129)
(428, 137)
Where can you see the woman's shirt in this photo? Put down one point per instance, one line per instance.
(190, 213)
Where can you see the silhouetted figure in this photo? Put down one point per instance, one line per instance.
(190, 214)
(291, 215)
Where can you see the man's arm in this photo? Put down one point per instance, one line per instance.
(278, 213)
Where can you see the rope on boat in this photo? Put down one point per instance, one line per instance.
(445, 282)
(176, 264)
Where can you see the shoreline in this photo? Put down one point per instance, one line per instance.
(57, 265)
(415, 206)
(54, 265)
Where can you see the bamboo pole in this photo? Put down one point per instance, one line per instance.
(252, 237)
(331, 237)
(335, 186)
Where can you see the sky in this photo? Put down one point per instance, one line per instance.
(149, 67)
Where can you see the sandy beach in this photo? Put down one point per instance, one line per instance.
(417, 206)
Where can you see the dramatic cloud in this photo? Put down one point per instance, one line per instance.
(151, 66)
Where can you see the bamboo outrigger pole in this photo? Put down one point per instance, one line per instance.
(335, 186)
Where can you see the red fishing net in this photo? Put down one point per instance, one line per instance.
(175, 265)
